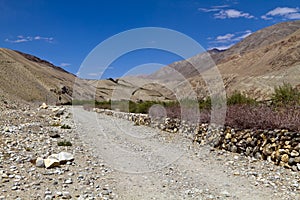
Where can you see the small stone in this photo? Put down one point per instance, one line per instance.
(258, 156)
(225, 193)
(44, 106)
(54, 135)
(294, 153)
(228, 136)
(285, 158)
(48, 197)
(18, 177)
(297, 159)
(49, 163)
(233, 149)
(39, 162)
(53, 156)
(298, 166)
(236, 173)
(68, 181)
(66, 195)
(64, 157)
(105, 192)
(59, 194)
(14, 188)
(294, 168)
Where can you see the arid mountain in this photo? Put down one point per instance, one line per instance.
(28, 78)
(264, 59)
(253, 66)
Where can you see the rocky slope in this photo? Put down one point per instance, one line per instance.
(27, 136)
(254, 66)
(25, 77)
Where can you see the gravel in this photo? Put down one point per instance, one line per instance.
(115, 159)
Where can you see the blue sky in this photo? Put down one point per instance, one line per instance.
(64, 31)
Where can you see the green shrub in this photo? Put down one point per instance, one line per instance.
(64, 143)
(65, 126)
(56, 124)
(239, 98)
(286, 95)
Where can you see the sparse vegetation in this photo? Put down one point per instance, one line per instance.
(286, 94)
(237, 98)
(64, 143)
(56, 124)
(28, 149)
(65, 126)
(242, 111)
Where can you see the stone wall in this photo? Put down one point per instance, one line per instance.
(280, 146)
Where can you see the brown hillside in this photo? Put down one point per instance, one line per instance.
(29, 79)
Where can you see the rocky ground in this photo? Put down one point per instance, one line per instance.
(101, 171)
(28, 133)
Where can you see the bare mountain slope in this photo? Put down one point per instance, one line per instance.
(261, 38)
(254, 66)
(28, 78)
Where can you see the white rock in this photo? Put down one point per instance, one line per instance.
(54, 156)
(48, 197)
(225, 193)
(44, 106)
(294, 153)
(64, 157)
(68, 181)
(66, 195)
(39, 162)
(51, 163)
(55, 109)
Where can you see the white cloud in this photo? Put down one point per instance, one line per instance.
(285, 12)
(221, 6)
(208, 9)
(293, 16)
(228, 36)
(226, 41)
(213, 8)
(21, 39)
(224, 47)
(232, 13)
(244, 35)
(222, 13)
(65, 64)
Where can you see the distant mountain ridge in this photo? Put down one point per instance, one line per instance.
(41, 61)
(255, 65)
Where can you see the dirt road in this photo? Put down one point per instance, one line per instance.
(151, 164)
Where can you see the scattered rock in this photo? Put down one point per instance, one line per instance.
(68, 181)
(50, 162)
(66, 195)
(54, 135)
(39, 162)
(285, 158)
(64, 157)
(294, 153)
(44, 106)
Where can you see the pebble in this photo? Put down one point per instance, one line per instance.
(66, 195)
(68, 181)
